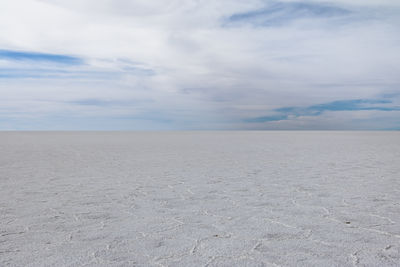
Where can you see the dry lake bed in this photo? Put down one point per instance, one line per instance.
(200, 199)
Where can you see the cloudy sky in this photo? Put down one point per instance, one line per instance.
(199, 64)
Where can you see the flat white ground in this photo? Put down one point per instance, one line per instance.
(200, 199)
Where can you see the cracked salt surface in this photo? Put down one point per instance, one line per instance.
(200, 199)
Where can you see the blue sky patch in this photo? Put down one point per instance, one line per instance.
(39, 57)
(315, 110)
(279, 13)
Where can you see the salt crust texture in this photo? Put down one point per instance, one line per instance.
(200, 199)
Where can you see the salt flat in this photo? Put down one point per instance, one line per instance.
(200, 199)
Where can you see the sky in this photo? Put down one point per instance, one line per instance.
(199, 65)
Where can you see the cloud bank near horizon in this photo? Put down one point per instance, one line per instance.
(189, 64)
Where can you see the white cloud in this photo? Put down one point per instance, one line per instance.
(179, 59)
